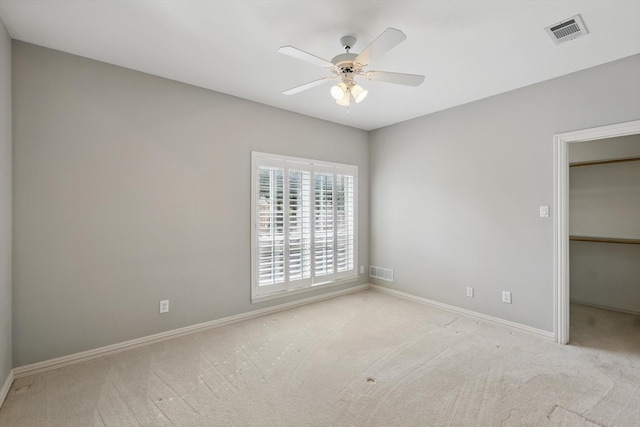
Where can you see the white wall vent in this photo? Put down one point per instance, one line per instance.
(381, 273)
(566, 30)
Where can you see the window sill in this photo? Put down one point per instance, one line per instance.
(283, 294)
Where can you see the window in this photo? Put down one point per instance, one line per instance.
(304, 224)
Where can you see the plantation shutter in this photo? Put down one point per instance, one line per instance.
(305, 224)
(323, 224)
(345, 223)
(299, 228)
(271, 233)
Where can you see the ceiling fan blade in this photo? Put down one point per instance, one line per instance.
(301, 54)
(396, 78)
(309, 85)
(385, 42)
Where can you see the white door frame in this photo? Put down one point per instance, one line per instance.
(561, 143)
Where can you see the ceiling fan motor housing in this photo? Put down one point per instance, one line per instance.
(344, 63)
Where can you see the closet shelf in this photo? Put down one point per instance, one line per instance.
(605, 240)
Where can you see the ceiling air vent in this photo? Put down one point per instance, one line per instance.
(566, 30)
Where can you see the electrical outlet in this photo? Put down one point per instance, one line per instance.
(164, 306)
(469, 291)
(506, 297)
(362, 269)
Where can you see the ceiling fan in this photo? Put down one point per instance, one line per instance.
(347, 66)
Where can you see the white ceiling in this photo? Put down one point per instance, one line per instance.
(468, 50)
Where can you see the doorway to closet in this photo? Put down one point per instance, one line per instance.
(604, 244)
(562, 144)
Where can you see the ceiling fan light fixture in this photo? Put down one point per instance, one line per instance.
(359, 93)
(338, 91)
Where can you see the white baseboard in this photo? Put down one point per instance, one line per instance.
(605, 307)
(466, 313)
(4, 391)
(84, 356)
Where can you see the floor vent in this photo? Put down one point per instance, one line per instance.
(566, 30)
(381, 273)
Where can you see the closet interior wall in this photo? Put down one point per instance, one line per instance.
(604, 199)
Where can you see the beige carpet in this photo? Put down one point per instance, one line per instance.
(366, 359)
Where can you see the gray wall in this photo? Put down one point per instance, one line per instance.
(605, 149)
(130, 189)
(455, 194)
(606, 275)
(604, 200)
(5, 204)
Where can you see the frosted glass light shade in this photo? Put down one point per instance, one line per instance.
(345, 101)
(338, 91)
(359, 93)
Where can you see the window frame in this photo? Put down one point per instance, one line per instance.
(260, 293)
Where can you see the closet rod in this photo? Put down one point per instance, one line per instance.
(605, 240)
(603, 162)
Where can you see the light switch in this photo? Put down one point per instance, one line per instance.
(544, 211)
